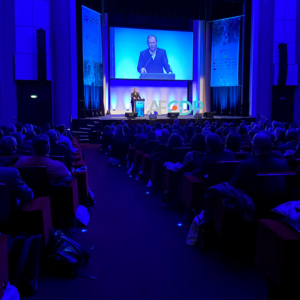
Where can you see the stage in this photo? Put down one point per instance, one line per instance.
(79, 124)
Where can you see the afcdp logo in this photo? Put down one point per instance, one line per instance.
(90, 20)
(173, 106)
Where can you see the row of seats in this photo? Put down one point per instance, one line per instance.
(51, 207)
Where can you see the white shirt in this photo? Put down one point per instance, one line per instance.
(152, 54)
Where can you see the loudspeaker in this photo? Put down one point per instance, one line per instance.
(283, 64)
(130, 115)
(41, 54)
(208, 115)
(173, 115)
(198, 116)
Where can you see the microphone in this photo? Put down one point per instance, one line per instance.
(168, 65)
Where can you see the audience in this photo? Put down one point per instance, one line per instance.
(261, 162)
(165, 135)
(60, 149)
(65, 140)
(233, 142)
(56, 170)
(291, 141)
(214, 153)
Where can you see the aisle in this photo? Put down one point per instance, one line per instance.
(140, 251)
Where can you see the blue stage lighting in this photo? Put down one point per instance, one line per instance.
(179, 224)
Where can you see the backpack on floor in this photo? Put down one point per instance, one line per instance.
(23, 262)
(63, 256)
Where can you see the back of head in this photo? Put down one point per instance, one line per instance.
(19, 138)
(277, 132)
(270, 134)
(233, 142)
(165, 134)
(61, 128)
(158, 125)
(262, 144)
(29, 127)
(225, 132)
(198, 143)
(122, 122)
(189, 131)
(8, 145)
(53, 137)
(152, 136)
(213, 142)
(29, 135)
(148, 129)
(252, 133)
(293, 126)
(213, 129)
(176, 121)
(19, 126)
(176, 126)
(11, 128)
(106, 129)
(38, 131)
(242, 130)
(291, 135)
(41, 145)
(175, 141)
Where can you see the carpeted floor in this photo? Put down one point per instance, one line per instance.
(140, 251)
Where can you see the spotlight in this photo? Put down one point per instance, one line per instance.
(84, 230)
(179, 224)
(147, 193)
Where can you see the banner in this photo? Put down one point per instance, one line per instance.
(225, 52)
(92, 57)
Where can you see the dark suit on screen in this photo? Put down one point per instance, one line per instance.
(136, 96)
(156, 65)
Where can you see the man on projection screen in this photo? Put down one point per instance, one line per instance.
(153, 60)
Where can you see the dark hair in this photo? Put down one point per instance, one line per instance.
(61, 128)
(291, 135)
(53, 136)
(19, 126)
(30, 135)
(242, 130)
(151, 136)
(175, 141)
(40, 145)
(198, 143)
(19, 138)
(213, 141)
(106, 128)
(38, 131)
(233, 142)
(158, 125)
(8, 145)
(189, 131)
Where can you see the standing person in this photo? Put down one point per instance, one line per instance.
(134, 96)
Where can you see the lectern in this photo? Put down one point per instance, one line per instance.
(158, 76)
(139, 107)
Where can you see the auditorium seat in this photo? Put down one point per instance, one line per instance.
(241, 155)
(138, 156)
(64, 200)
(178, 154)
(277, 254)
(32, 217)
(194, 188)
(146, 165)
(3, 264)
(83, 184)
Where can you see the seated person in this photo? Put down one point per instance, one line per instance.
(214, 153)
(65, 140)
(60, 149)
(20, 147)
(291, 141)
(189, 133)
(19, 127)
(164, 138)
(11, 128)
(279, 136)
(41, 148)
(175, 141)
(141, 138)
(261, 162)
(8, 146)
(29, 136)
(233, 142)
(198, 144)
(16, 187)
(151, 144)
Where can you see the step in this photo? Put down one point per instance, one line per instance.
(81, 128)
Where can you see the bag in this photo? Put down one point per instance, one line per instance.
(194, 231)
(23, 262)
(63, 256)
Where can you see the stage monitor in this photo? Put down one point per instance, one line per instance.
(225, 52)
(148, 54)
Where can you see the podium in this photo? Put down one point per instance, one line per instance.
(139, 107)
(158, 76)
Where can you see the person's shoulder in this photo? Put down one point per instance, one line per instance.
(160, 50)
(144, 52)
(7, 171)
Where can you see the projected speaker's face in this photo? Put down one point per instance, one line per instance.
(152, 43)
